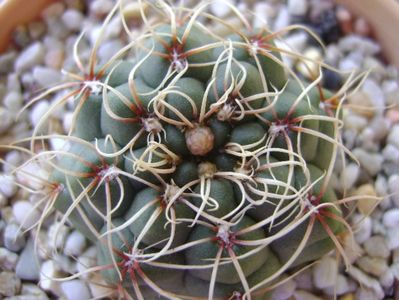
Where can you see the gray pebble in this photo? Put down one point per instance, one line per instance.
(10, 284)
(367, 283)
(297, 7)
(363, 225)
(376, 95)
(371, 162)
(325, 273)
(8, 259)
(376, 247)
(31, 56)
(349, 175)
(342, 286)
(32, 291)
(305, 295)
(391, 218)
(391, 153)
(393, 137)
(387, 279)
(13, 239)
(285, 290)
(282, 19)
(392, 238)
(27, 267)
(375, 266)
(73, 19)
(75, 290)
(393, 188)
(13, 83)
(13, 101)
(368, 294)
(7, 62)
(75, 244)
(12, 159)
(6, 120)
(46, 77)
(7, 185)
(365, 46)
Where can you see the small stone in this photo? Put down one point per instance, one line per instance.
(284, 291)
(264, 12)
(32, 291)
(282, 20)
(368, 294)
(46, 77)
(387, 279)
(376, 95)
(75, 244)
(348, 64)
(391, 153)
(7, 185)
(54, 58)
(75, 290)
(6, 120)
(37, 112)
(349, 175)
(73, 19)
(12, 160)
(363, 228)
(371, 162)
(305, 295)
(367, 198)
(13, 239)
(8, 259)
(13, 83)
(10, 284)
(393, 137)
(366, 282)
(380, 126)
(101, 7)
(362, 104)
(28, 264)
(25, 214)
(31, 56)
(7, 62)
(57, 234)
(342, 286)
(325, 273)
(392, 238)
(367, 47)
(355, 121)
(304, 280)
(49, 270)
(297, 41)
(309, 67)
(220, 8)
(392, 115)
(376, 247)
(391, 218)
(297, 7)
(373, 265)
(393, 188)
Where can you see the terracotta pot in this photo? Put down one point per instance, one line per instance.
(18, 12)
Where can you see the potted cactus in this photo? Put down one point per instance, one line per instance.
(201, 167)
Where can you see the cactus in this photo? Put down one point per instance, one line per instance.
(201, 168)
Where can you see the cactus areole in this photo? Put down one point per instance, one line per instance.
(200, 167)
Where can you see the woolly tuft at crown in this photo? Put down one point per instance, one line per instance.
(200, 165)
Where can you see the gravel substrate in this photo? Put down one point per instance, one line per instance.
(371, 132)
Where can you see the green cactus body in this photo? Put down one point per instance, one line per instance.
(201, 167)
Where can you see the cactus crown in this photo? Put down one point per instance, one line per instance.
(201, 167)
